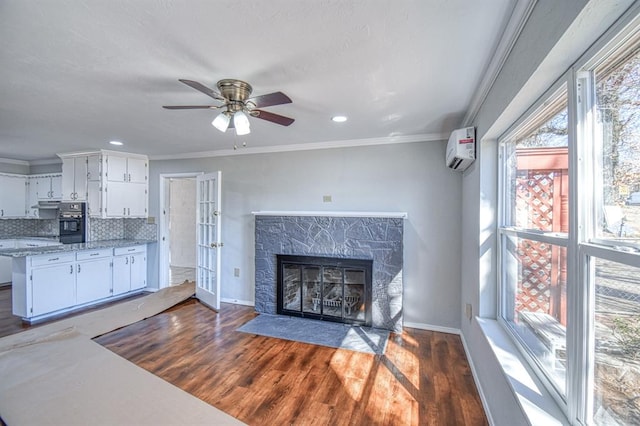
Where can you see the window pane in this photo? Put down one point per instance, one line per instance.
(618, 194)
(537, 176)
(534, 301)
(617, 344)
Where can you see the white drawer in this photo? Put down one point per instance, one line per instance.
(52, 259)
(7, 244)
(118, 251)
(93, 254)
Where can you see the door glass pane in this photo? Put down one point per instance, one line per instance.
(617, 343)
(534, 301)
(537, 174)
(311, 299)
(618, 192)
(291, 287)
(354, 285)
(332, 292)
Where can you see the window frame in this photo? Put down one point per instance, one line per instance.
(582, 246)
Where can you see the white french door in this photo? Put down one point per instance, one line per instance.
(208, 239)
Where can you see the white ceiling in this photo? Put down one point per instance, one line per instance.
(75, 74)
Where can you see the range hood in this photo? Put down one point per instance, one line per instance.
(47, 205)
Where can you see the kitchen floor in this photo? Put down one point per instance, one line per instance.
(11, 324)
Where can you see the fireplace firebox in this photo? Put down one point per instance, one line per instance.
(325, 288)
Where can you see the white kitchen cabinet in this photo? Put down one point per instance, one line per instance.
(6, 262)
(32, 196)
(124, 199)
(126, 168)
(13, 196)
(129, 269)
(74, 178)
(42, 188)
(53, 288)
(51, 284)
(93, 275)
(49, 187)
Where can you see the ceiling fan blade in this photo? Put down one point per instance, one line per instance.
(189, 107)
(202, 88)
(276, 98)
(274, 118)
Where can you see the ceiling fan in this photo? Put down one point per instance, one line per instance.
(237, 105)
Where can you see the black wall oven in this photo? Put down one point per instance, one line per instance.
(72, 218)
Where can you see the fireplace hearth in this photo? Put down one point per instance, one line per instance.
(325, 288)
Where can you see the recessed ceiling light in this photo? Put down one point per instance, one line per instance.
(339, 118)
(118, 143)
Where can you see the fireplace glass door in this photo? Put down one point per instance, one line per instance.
(325, 288)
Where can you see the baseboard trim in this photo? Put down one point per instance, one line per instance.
(483, 397)
(237, 302)
(430, 327)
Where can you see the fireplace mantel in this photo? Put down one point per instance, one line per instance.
(391, 215)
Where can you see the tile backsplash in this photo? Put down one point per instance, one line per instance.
(117, 229)
(29, 228)
(98, 229)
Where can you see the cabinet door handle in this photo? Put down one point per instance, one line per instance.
(133, 260)
(129, 177)
(126, 260)
(71, 271)
(124, 211)
(78, 268)
(1, 212)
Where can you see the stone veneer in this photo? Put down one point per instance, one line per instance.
(377, 238)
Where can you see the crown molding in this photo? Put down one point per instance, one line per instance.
(11, 161)
(45, 161)
(519, 16)
(430, 137)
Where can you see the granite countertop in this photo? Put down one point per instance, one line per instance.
(91, 245)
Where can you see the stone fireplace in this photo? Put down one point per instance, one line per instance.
(344, 236)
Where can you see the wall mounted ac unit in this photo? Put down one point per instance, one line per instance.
(461, 149)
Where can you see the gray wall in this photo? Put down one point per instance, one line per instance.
(410, 178)
(556, 34)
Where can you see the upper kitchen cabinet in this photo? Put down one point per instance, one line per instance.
(48, 187)
(117, 184)
(43, 187)
(74, 177)
(126, 169)
(13, 196)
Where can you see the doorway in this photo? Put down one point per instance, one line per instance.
(178, 258)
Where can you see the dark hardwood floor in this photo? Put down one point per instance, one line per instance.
(422, 379)
(10, 324)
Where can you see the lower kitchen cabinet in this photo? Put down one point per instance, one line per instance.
(129, 269)
(93, 276)
(47, 297)
(49, 284)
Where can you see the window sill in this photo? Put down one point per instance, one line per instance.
(536, 402)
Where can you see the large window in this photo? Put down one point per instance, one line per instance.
(569, 236)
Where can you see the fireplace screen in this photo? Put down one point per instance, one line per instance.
(325, 288)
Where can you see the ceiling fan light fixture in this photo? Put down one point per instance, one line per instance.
(221, 122)
(241, 123)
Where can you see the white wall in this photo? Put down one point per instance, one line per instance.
(556, 34)
(402, 177)
(182, 213)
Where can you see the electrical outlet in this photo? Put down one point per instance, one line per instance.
(469, 311)
(326, 198)
(236, 272)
